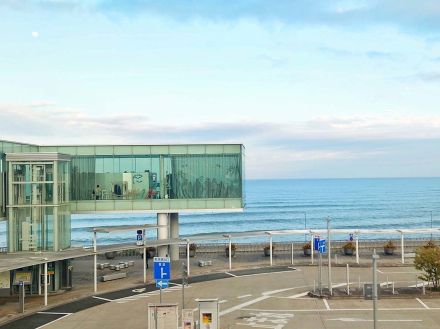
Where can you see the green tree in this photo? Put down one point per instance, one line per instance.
(427, 260)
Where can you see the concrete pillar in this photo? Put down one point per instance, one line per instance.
(174, 234)
(162, 233)
(45, 284)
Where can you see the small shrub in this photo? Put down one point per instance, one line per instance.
(349, 245)
(390, 245)
(307, 246)
(192, 246)
(267, 247)
(427, 260)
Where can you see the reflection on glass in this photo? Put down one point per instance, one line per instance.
(156, 177)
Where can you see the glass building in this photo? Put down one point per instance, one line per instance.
(41, 186)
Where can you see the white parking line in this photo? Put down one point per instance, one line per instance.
(422, 303)
(240, 306)
(233, 275)
(369, 320)
(44, 325)
(345, 309)
(102, 298)
(327, 306)
(244, 296)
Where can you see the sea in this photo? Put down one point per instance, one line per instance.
(276, 204)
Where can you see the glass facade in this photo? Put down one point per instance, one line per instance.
(140, 177)
(9, 147)
(39, 211)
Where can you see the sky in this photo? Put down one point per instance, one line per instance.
(313, 89)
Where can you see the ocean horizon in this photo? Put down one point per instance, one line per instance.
(276, 204)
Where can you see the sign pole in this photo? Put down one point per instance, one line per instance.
(330, 288)
(161, 294)
(320, 273)
(375, 257)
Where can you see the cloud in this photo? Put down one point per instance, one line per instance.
(35, 34)
(352, 146)
(432, 77)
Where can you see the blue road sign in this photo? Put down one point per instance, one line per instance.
(162, 284)
(316, 243)
(162, 268)
(322, 246)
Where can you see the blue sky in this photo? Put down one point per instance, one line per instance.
(312, 88)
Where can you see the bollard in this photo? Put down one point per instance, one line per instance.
(359, 282)
(393, 287)
(423, 288)
(21, 296)
(348, 280)
(417, 281)
(387, 281)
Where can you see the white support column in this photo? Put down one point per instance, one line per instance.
(95, 265)
(348, 279)
(145, 264)
(402, 248)
(230, 254)
(271, 250)
(292, 254)
(187, 257)
(174, 234)
(39, 280)
(312, 238)
(162, 233)
(56, 221)
(45, 284)
(357, 249)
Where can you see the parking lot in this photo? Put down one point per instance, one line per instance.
(255, 299)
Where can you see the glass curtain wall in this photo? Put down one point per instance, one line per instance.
(39, 219)
(140, 177)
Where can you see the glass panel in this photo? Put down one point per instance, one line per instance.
(33, 228)
(203, 176)
(21, 173)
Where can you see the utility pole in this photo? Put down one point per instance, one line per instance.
(375, 258)
(330, 288)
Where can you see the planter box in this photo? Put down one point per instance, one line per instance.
(307, 252)
(388, 251)
(348, 251)
(192, 253)
(267, 252)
